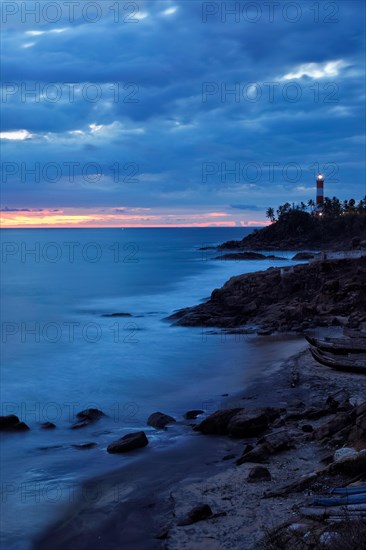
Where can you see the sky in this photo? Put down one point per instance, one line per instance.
(178, 113)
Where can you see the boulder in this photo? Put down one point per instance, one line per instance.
(199, 513)
(87, 417)
(277, 441)
(159, 420)
(217, 423)
(90, 414)
(48, 426)
(192, 415)
(339, 422)
(128, 443)
(345, 452)
(350, 465)
(259, 473)
(260, 453)
(250, 423)
(11, 423)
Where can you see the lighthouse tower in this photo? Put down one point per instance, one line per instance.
(319, 191)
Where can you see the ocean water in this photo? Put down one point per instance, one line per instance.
(62, 354)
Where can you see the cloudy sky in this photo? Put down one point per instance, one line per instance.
(160, 113)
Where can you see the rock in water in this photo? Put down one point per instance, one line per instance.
(48, 426)
(192, 415)
(90, 414)
(259, 473)
(11, 423)
(86, 417)
(128, 443)
(159, 420)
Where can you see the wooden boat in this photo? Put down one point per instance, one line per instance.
(350, 363)
(338, 345)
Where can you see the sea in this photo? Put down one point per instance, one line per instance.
(83, 325)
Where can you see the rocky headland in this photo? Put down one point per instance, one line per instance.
(298, 230)
(321, 293)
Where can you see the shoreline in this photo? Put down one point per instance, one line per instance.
(163, 491)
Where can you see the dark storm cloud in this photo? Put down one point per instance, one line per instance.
(165, 105)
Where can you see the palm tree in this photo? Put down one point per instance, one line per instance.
(311, 205)
(270, 214)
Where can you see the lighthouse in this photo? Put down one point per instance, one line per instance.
(319, 191)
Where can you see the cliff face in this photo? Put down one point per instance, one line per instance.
(317, 294)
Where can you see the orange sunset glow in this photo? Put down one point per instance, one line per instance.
(48, 218)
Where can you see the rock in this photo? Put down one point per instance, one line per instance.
(345, 452)
(84, 446)
(352, 465)
(228, 457)
(163, 533)
(21, 427)
(87, 417)
(217, 423)
(259, 454)
(90, 414)
(356, 400)
(199, 513)
(277, 441)
(159, 420)
(339, 422)
(48, 426)
(307, 428)
(191, 415)
(128, 443)
(259, 473)
(11, 423)
(248, 448)
(250, 423)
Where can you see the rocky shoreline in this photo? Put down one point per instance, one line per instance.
(310, 437)
(254, 465)
(321, 293)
